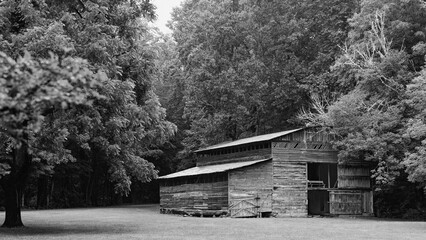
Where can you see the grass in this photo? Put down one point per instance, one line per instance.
(145, 222)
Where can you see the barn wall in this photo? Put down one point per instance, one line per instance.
(250, 155)
(353, 176)
(290, 195)
(283, 153)
(253, 184)
(351, 202)
(203, 197)
(290, 158)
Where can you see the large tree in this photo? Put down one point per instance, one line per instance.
(31, 91)
(116, 130)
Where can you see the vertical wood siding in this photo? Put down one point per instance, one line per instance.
(252, 183)
(353, 176)
(351, 202)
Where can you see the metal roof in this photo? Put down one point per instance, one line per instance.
(260, 138)
(211, 169)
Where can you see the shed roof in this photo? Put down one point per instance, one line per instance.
(260, 138)
(211, 169)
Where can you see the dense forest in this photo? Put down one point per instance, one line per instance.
(95, 103)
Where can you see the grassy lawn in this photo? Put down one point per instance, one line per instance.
(145, 222)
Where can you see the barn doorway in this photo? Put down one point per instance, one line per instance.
(318, 202)
(322, 177)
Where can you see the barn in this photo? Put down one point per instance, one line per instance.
(292, 173)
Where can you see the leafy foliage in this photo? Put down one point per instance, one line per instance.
(248, 66)
(76, 85)
(378, 117)
(415, 131)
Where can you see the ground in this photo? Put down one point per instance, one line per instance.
(145, 222)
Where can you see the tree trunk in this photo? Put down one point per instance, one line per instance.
(13, 205)
(13, 185)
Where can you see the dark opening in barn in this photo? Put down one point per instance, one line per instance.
(321, 178)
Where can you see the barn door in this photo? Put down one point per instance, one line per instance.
(244, 208)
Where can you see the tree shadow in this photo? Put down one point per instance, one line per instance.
(40, 230)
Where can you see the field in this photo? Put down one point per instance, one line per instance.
(145, 222)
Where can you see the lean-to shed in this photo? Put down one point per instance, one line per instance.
(289, 173)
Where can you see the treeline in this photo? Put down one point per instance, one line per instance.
(356, 68)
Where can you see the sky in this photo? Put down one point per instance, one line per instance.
(164, 8)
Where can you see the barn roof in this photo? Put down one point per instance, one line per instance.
(255, 139)
(212, 169)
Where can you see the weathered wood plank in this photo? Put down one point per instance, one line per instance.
(289, 189)
(304, 155)
(252, 183)
(251, 155)
(203, 196)
(351, 202)
(353, 176)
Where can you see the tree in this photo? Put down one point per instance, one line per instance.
(108, 138)
(30, 90)
(415, 131)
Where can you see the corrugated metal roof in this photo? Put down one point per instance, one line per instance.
(211, 169)
(260, 138)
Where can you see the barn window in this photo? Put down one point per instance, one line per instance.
(322, 175)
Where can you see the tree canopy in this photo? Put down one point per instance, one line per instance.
(76, 86)
(378, 115)
(248, 66)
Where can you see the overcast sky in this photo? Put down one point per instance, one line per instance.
(164, 8)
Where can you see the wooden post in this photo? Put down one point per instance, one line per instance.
(328, 173)
(257, 206)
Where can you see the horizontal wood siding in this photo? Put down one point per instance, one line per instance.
(351, 202)
(304, 155)
(198, 196)
(353, 176)
(252, 183)
(290, 195)
(251, 155)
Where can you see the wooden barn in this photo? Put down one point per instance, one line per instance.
(292, 173)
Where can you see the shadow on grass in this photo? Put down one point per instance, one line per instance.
(36, 230)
